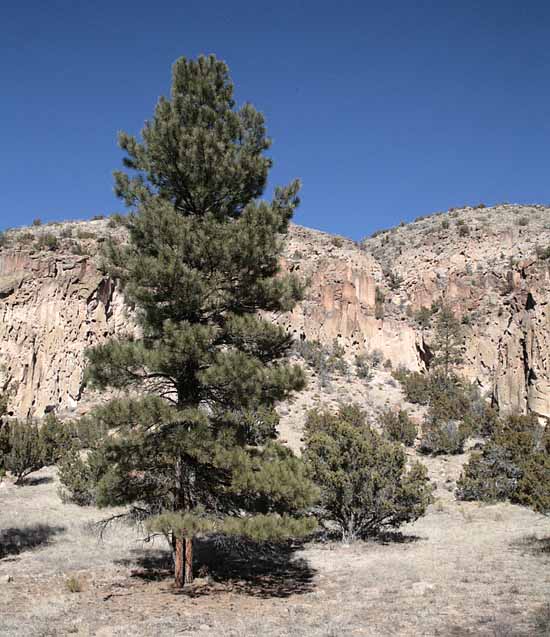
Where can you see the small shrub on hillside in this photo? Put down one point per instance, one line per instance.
(399, 427)
(47, 241)
(365, 484)
(363, 367)
(77, 249)
(376, 357)
(73, 584)
(394, 280)
(441, 436)
(85, 234)
(337, 242)
(543, 253)
(326, 361)
(463, 231)
(24, 238)
(445, 224)
(523, 221)
(37, 222)
(3, 405)
(98, 217)
(423, 317)
(3, 240)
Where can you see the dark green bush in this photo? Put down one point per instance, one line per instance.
(75, 476)
(481, 420)
(514, 464)
(423, 317)
(449, 397)
(463, 231)
(26, 446)
(399, 427)
(489, 476)
(365, 484)
(23, 452)
(416, 386)
(441, 436)
(55, 437)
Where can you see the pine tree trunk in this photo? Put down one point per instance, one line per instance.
(179, 562)
(183, 569)
(188, 575)
(182, 546)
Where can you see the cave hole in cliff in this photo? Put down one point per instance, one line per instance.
(530, 303)
(425, 354)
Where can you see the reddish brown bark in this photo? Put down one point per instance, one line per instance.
(189, 560)
(183, 571)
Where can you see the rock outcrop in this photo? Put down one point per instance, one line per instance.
(489, 264)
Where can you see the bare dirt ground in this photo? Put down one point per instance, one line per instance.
(463, 569)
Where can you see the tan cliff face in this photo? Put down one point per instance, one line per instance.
(54, 303)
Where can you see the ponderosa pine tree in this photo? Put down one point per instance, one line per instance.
(447, 345)
(196, 451)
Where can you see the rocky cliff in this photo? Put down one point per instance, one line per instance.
(490, 264)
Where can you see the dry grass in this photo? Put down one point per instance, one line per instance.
(464, 569)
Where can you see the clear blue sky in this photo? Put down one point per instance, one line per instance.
(385, 110)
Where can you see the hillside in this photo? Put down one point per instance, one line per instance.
(464, 568)
(489, 263)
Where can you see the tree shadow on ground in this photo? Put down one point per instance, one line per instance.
(533, 545)
(16, 540)
(34, 481)
(384, 537)
(396, 537)
(222, 565)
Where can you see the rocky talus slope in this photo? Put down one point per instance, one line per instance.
(490, 264)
